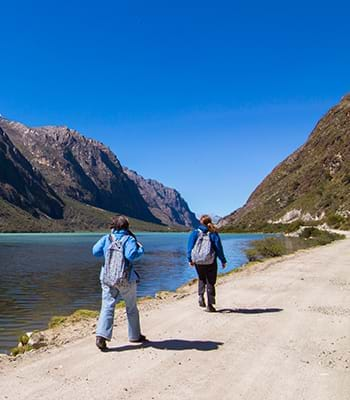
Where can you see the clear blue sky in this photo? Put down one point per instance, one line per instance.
(204, 96)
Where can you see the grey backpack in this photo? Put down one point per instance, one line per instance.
(116, 269)
(203, 252)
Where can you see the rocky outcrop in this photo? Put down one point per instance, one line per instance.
(311, 183)
(165, 203)
(80, 168)
(23, 185)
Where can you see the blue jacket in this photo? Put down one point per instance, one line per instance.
(215, 240)
(131, 250)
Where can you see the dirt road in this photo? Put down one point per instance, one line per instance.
(283, 332)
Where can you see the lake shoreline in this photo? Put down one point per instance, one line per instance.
(291, 311)
(64, 330)
(50, 268)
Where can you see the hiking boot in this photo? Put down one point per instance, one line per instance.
(210, 308)
(201, 301)
(141, 339)
(101, 343)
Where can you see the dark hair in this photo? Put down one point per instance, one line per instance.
(206, 220)
(120, 222)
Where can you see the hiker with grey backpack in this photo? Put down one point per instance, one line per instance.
(118, 280)
(204, 247)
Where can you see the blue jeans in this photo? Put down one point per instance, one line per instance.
(110, 297)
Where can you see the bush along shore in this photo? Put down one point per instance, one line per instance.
(63, 329)
(305, 238)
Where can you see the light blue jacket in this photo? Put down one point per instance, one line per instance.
(131, 250)
(215, 239)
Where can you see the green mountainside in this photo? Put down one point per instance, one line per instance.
(311, 186)
(77, 217)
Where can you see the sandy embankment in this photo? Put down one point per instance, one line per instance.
(283, 333)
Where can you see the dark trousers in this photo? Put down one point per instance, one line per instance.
(207, 278)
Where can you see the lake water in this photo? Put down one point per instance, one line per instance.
(42, 275)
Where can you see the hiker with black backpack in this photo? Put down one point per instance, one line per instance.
(204, 247)
(118, 280)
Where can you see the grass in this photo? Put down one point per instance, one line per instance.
(77, 316)
(22, 346)
(121, 304)
(20, 349)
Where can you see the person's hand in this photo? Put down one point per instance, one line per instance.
(191, 263)
(224, 265)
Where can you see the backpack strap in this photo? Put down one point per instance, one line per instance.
(124, 239)
(111, 237)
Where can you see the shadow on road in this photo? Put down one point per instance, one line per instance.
(249, 310)
(172, 344)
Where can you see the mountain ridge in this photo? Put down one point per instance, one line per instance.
(84, 170)
(80, 168)
(166, 203)
(311, 184)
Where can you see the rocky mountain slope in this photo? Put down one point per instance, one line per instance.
(22, 185)
(311, 184)
(72, 167)
(164, 202)
(80, 168)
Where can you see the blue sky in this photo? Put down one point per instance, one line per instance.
(204, 96)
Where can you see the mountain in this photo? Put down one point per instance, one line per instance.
(312, 184)
(55, 174)
(214, 217)
(165, 203)
(79, 168)
(76, 217)
(24, 186)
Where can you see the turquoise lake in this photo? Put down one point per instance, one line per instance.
(42, 275)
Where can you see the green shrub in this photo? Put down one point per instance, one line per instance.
(24, 339)
(265, 248)
(320, 236)
(345, 225)
(278, 246)
(253, 255)
(293, 226)
(14, 351)
(335, 220)
(20, 350)
(309, 232)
